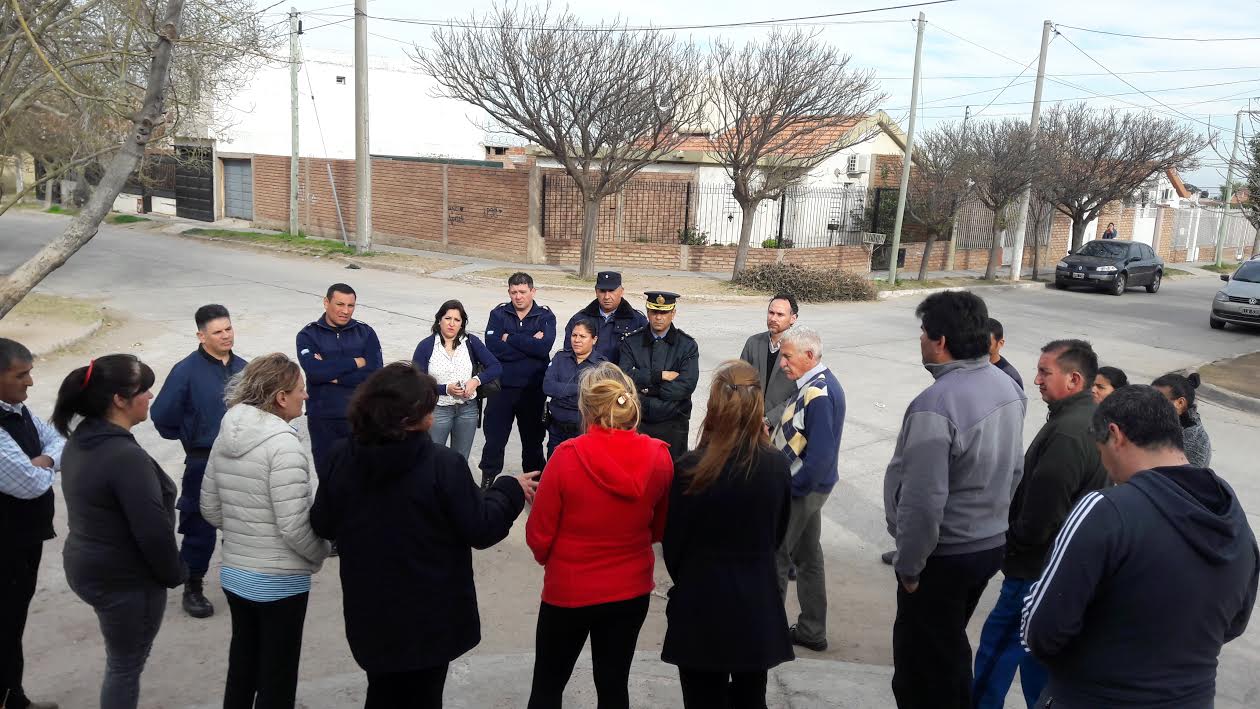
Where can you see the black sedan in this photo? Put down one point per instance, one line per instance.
(1111, 265)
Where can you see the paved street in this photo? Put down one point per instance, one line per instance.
(157, 281)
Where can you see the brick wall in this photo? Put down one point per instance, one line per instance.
(1164, 233)
(719, 259)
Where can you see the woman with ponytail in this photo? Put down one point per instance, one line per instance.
(1179, 389)
(120, 556)
(599, 508)
(728, 512)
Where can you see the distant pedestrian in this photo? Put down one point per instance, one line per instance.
(1110, 232)
(120, 555)
(762, 352)
(1179, 389)
(616, 317)
(406, 514)
(189, 409)
(728, 513)
(1107, 381)
(997, 341)
(337, 354)
(257, 489)
(947, 493)
(664, 363)
(519, 334)
(563, 380)
(809, 434)
(600, 506)
(1148, 578)
(462, 365)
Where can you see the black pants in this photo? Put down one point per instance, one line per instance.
(931, 653)
(418, 689)
(673, 432)
(19, 567)
(524, 405)
(199, 536)
(722, 690)
(614, 631)
(266, 648)
(558, 433)
(325, 433)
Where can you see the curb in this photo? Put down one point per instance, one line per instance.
(890, 294)
(1227, 398)
(71, 341)
(351, 261)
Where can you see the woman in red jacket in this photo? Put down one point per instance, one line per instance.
(598, 511)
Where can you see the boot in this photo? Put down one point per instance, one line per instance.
(486, 481)
(195, 602)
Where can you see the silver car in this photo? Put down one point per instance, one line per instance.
(1239, 301)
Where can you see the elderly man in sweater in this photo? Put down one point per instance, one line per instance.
(809, 434)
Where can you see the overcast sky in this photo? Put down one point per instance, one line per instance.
(956, 72)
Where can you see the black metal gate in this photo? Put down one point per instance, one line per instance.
(194, 183)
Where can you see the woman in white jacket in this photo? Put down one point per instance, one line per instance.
(257, 489)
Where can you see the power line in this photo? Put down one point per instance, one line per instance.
(1164, 39)
(1130, 93)
(1094, 73)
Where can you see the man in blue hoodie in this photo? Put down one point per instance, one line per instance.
(337, 353)
(189, 409)
(519, 334)
(1147, 579)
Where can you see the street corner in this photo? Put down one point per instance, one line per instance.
(1233, 382)
(47, 324)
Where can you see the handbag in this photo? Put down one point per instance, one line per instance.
(485, 390)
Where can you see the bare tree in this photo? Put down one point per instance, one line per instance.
(605, 102)
(1091, 157)
(1041, 217)
(938, 184)
(1251, 204)
(783, 106)
(1002, 164)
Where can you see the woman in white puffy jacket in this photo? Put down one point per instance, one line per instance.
(257, 489)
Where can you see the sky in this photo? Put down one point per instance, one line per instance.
(973, 51)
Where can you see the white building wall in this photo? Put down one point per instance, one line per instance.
(833, 172)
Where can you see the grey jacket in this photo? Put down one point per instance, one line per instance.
(781, 389)
(958, 460)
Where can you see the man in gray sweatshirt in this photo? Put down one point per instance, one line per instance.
(947, 493)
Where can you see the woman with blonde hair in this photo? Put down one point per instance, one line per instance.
(599, 508)
(257, 489)
(728, 512)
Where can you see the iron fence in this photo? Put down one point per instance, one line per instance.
(973, 228)
(1199, 227)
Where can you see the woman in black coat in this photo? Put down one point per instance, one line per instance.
(728, 512)
(405, 514)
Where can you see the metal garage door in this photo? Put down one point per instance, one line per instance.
(194, 184)
(238, 189)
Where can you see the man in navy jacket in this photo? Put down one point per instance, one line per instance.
(519, 334)
(616, 317)
(189, 408)
(337, 353)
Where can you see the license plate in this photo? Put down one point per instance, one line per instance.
(1251, 311)
(1078, 275)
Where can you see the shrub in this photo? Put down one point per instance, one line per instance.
(811, 285)
(773, 243)
(690, 236)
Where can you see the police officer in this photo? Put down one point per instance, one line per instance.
(664, 363)
(615, 316)
(562, 381)
(519, 334)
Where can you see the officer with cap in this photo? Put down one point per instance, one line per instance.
(664, 363)
(616, 318)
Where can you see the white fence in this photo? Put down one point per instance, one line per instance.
(974, 228)
(1197, 227)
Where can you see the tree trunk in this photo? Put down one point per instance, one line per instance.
(1036, 259)
(995, 249)
(748, 212)
(1255, 243)
(84, 226)
(1078, 233)
(48, 188)
(927, 254)
(20, 180)
(590, 228)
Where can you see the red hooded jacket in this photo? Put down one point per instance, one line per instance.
(599, 508)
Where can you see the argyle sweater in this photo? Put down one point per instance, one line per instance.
(809, 434)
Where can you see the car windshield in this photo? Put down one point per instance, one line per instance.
(1248, 273)
(1106, 249)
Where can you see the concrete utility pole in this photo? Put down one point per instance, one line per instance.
(294, 31)
(906, 160)
(953, 229)
(362, 155)
(1228, 194)
(1021, 218)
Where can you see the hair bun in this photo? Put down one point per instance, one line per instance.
(1194, 379)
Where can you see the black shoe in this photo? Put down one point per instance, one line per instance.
(332, 551)
(888, 556)
(486, 481)
(792, 572)
(195, 602)
(815, 645)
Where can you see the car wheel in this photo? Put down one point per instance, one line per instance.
(1216, 323)
(1154, 286)
(1118, 286)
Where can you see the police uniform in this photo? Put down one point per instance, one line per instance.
(613, 328)
(666, 404)
(524, 357)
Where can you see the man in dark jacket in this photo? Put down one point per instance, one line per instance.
(762, 352)
(997, 341)
(189, 408)
(1147, 579)
(664, 363)
(30, 452)
(1060, 467)
(519, 334)
(337, 353)
(615, 316)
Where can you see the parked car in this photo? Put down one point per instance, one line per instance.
(1239, 301)
(1111, 265)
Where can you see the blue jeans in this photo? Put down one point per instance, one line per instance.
(129, 621)
(459, 423)
(1001, 652)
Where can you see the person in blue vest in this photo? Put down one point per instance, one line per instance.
(519, 334)
(616, 317)
(337, 354)
(30, 453)
(189, 409)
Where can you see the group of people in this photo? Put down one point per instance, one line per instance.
(1069, 521)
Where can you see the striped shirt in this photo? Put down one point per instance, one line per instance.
(263, 588)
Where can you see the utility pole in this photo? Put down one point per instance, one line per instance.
(1021, 219)
(294, 31)
(906, 160)
(362, 155)
(953, 229)
(1228, 193)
